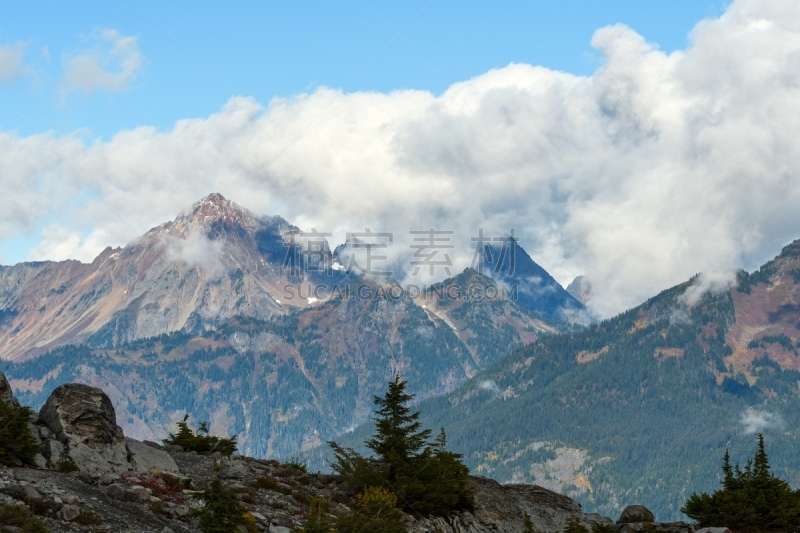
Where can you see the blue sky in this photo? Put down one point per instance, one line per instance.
(268, 49)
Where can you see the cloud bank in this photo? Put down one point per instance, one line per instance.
(654, 168)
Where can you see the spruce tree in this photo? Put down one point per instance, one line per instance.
(426, 478)
(751, 499)
(17, 444)
(221, 512)
(398, 439)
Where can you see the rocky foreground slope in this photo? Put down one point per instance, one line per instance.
(123, 485)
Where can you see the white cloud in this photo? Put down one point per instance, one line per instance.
(11, 61)
(110, 65)
(708, 282)
(756, 421)
(489, 385)
(60, 243)
(197, 250)
(656, 167)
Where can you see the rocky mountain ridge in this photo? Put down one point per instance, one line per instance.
(187, 274)
(214, 261)
(151, 490)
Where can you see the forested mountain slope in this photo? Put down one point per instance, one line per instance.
(290, 383)
(639, 408)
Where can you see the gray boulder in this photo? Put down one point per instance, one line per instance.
(635, 514)
(77, 413)
(69, 512)
(144, 458)
(116, 491)
(82, 419)
(79, 424)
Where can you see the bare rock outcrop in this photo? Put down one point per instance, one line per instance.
(6, 394)
(502, 508)
(78, 424)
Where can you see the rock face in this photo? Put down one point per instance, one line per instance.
(502, 508)
(77, 423)
(581, 289)
(6, 394)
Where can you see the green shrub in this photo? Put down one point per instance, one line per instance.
(67, 466)
(157, 507)
(200, 441)
(296, 464)
(527, 524)
(88, 518)
(221, 512)
(574, 525)
(318, 520)
(602, 528)
(19, 517)
(17, 444)
(376, 513)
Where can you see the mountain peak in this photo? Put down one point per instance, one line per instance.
(216, 208)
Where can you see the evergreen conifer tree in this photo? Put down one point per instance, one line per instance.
(17, 444)
(426, 478)
(318, 520)
(200, 442)
(751, 499)
(221, 512)
(398, 438)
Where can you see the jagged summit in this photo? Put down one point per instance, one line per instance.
(214, 261)
(215, 208)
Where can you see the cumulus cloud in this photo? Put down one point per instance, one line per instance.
(11, 61)
(110, 65)
(755, 421)
(654, 168)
